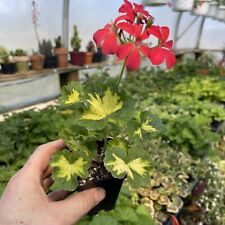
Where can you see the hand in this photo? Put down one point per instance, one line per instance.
(25, 201)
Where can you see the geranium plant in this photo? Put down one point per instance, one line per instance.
(104, 139)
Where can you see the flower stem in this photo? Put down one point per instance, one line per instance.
(122, 72)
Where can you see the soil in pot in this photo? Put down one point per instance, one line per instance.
(8, 68)
(100, 177)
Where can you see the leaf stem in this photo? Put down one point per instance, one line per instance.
(122, 72)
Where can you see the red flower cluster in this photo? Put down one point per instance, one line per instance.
(128, 34)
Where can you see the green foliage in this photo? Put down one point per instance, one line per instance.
(124, 213)
(19, 52)
(75, 40)
(102, 112)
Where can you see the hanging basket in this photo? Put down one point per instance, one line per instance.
(202, 8)
(213, 8)
(221, 13)
(182, 5)
(154, 2)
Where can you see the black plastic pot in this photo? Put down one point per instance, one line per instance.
(8, 68)
(99, 57)
(50, 62)
(112, 187)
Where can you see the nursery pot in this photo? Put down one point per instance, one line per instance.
(77, 58)
(62, 57)
(8, 68)
(50, 62)
(202, 8)
(37, 62)
(212, 9)
(99, 176)
(112, 188)
(182, 5)
(99, 57)
(22, 63)
(154, 2)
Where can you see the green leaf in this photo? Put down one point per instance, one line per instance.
(121, 163)
(103, 220)
(101, 108)
(67, 166)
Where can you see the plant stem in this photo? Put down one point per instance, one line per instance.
(122, 72)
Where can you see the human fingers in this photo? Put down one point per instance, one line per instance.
(39, 160)
(58, 195)
(79, 204)
(47, 183)
(47, 173)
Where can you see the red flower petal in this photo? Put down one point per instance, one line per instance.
(110, 45)
(155, 30)
(100, 35)
(127, 27)
(165, 33)
(170, 59)
(133, 60)
(128, 17)
(146, 50)
(124, 50)
(168, 44)
(126, 7)
(157, 55)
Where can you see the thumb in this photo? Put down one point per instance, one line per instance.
(79, 204)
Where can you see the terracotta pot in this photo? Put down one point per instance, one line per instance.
(37, 62)
(182, 5)
(88, 59)
(62, 57)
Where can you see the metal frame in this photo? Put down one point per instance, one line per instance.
(65, 23)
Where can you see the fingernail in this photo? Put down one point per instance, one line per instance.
(100, 193)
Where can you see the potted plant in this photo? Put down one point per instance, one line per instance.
(22, 60)
(99, 56)
(37, 61)
(76, 57)
(201, 7)
(6, 61)
(103, 143)
(89, 53)
(46, 49)
(182, 5)
(61, 53)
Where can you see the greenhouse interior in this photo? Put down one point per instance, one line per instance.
(112, 112)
